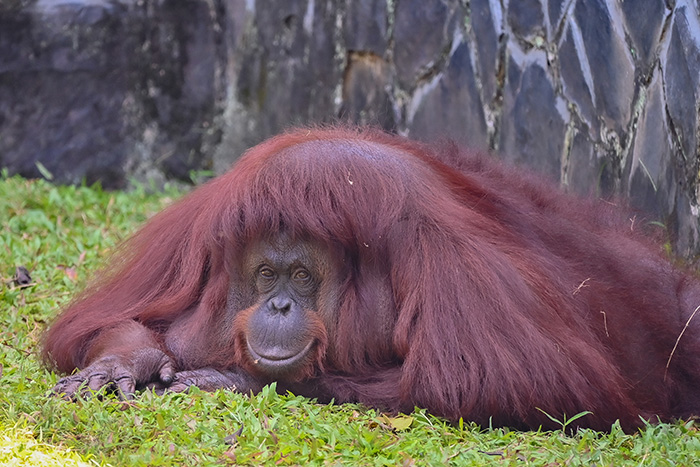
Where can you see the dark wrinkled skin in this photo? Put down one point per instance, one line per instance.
(210, 379)
(123, 375)
(286, 277)
(151, 370)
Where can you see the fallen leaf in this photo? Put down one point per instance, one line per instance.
(398, 423)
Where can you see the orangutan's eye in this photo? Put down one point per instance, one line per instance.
(302, 275)
(266, 272)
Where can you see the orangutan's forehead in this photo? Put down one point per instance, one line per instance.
(283, 248)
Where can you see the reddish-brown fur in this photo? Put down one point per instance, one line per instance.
(466, 287)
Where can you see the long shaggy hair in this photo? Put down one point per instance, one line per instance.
(507, 298)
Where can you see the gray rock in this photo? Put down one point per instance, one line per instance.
(599, 95)
(450, 104)
(415, 53)
(366, 24)
(526, 17)
(366, 96)
(532, 129)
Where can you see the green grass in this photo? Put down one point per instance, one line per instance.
(61, 235)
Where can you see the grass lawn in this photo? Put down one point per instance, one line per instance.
(62, 234)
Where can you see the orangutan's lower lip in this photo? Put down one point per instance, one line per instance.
(278, 359)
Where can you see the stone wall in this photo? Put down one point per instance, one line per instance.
(602, 96)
